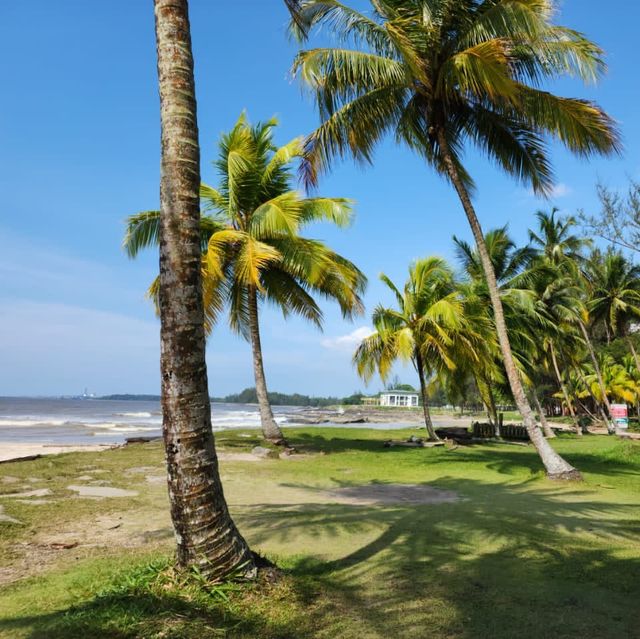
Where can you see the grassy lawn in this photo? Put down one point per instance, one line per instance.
(514, 556)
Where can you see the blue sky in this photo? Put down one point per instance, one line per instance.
(79, 151)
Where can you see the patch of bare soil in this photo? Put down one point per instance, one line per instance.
(102, 491)
(113, 531)
(238, 457)
(392, 494)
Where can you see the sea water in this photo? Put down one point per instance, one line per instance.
(97, 421)
(104, 421)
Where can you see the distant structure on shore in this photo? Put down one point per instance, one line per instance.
(394, 398)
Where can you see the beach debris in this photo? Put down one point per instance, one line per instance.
(265, 453)
(412, 442)
(63, 545)
(7, 518)
(141, 440)
(102, 491)
(38, 492)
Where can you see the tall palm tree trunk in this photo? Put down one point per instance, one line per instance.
(488, 399)
(205, 533)
(555, 465)
(270, 428)
(633, 352)
(563, 388)
(425, 398)
(546, 429)
(596, 366)
(597, 405)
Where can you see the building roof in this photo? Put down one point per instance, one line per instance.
(399, 392)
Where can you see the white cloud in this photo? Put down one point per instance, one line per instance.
(561, 190)
(349, 341)
(557, 191)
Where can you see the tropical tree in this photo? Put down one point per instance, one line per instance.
(510, 265)
(614, 293)
(254, 252)
(207, 537)
(440, 73)
(561, 251)
(425, 329)
(556, 241)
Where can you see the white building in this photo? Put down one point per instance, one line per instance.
(398, 398)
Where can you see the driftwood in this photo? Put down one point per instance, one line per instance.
(412, 442)
(141, 440)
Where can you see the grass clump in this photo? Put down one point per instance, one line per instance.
(154, 600)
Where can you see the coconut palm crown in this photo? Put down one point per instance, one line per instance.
(253, 250)
(427, 328)
(471, 70)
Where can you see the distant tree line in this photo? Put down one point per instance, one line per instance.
(249, 396)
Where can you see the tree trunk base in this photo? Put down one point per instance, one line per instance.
(567, 475)
(278, 441)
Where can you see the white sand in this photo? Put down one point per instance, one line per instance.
(10, 451)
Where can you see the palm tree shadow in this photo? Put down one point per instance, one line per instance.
(503, 558)
(504, 561)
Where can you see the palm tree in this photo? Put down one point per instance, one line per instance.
(439, 73)
(207, 537)
(561, 251)
(555, 239)
(614, 293)
(510, 265)
(425, 329)
(254, 251)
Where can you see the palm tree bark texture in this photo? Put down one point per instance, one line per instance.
(206, 535)
(270, 428)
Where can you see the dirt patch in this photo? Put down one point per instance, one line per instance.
(107, 533)
(238, 457)
(395, 494)
(7, 518)
(102, 491)
(142, 470)
(38, 492)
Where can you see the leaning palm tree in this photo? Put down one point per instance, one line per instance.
(254, 252)
(439, 74)
(206, 535)
(425, 329)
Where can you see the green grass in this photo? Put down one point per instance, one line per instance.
(516, 556)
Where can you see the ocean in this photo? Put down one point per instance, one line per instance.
(97, 421)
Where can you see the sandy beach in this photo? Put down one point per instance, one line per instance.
(15, 451)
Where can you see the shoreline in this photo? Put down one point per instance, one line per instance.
(20, 451)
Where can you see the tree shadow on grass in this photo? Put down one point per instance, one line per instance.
(505, 562)
(511, 460)
(135, 614)
(505, 458)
